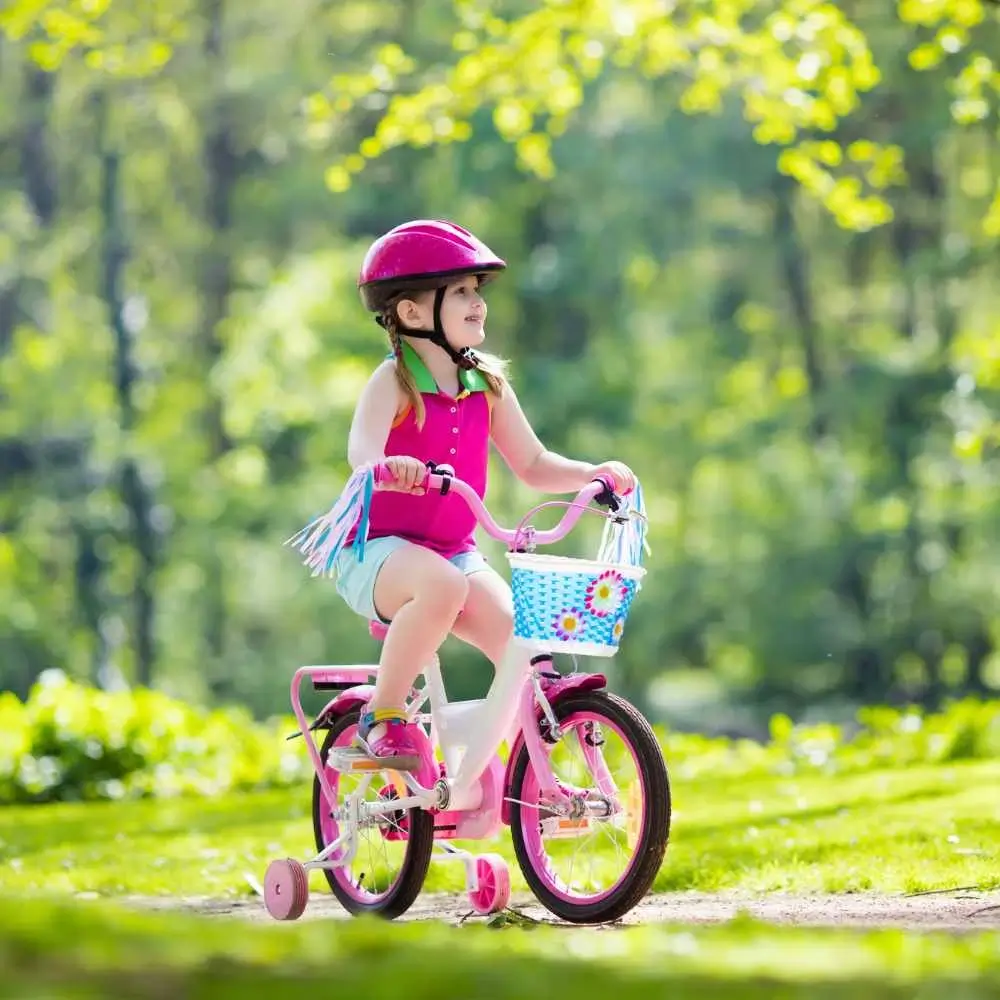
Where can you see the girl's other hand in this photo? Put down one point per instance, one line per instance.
(407, 475)
(621, 474)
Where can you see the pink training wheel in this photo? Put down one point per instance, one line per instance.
(493, 893)
(286, 889)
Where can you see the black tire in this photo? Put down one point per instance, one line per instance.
(416, 860)
(652, 843)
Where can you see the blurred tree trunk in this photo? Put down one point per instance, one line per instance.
(222, 166)
(135, 493)
(794, 261)
(37, 165)
(38, 178)
(869, 674)
(859, 265)
(917, 235)
(866, 675)
(50, 459)
(978, 648)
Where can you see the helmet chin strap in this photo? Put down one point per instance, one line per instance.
(465, 358)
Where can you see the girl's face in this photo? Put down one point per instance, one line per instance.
(463, 313)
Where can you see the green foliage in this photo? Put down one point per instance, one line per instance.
(115, 38)
(796, 67)
(70, 742)
(882, 737)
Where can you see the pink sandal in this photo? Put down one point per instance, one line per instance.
(396, 748)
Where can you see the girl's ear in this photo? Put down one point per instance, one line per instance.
(408, 311)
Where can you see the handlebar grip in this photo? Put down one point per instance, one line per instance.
(438, 477)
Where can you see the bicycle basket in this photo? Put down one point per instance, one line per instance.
(577, 605)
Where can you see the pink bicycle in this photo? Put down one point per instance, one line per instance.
(584, 789)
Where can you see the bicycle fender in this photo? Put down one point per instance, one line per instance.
(555, 691)
(343, 703)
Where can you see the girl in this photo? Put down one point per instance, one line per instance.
(435, 399)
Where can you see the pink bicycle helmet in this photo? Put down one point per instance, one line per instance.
(423, 253)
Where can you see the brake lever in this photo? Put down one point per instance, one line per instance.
(607, 497)
(446, 472)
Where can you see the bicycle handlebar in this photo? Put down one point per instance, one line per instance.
(600, 490)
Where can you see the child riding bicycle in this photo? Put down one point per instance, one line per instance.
(435, 399)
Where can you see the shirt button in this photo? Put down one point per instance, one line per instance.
(454, 409)
(454, 430)
(452, 451)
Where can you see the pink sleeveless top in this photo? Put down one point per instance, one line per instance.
(456, 432)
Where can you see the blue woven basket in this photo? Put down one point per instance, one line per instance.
(576, 605)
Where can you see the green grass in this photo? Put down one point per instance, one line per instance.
(902, 829)
(97, 950)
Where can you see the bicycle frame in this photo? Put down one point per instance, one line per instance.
(508, 710)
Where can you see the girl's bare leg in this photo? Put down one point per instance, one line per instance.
(421, 593)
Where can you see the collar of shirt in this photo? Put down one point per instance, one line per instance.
(471, 380)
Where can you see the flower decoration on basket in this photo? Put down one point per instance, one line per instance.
(568, 624)
(606, 593)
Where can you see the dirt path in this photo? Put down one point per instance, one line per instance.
(958, 911)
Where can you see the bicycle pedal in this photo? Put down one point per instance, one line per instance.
(555, 827)
(353, 759)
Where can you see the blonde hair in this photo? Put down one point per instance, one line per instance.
(492, 368)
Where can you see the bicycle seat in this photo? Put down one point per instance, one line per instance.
(377, 630)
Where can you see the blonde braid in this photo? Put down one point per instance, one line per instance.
(403, 374)
(493, 370)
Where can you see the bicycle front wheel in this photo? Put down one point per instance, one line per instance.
(598, 862)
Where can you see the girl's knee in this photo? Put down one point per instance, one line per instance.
(503, 630)
(501, 618)
(502, 613)
(445, 590)
(493, 603)
(507, 621)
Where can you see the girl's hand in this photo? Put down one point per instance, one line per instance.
(407, 475)
(621, 474)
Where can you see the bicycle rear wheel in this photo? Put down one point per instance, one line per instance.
(594, 868)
